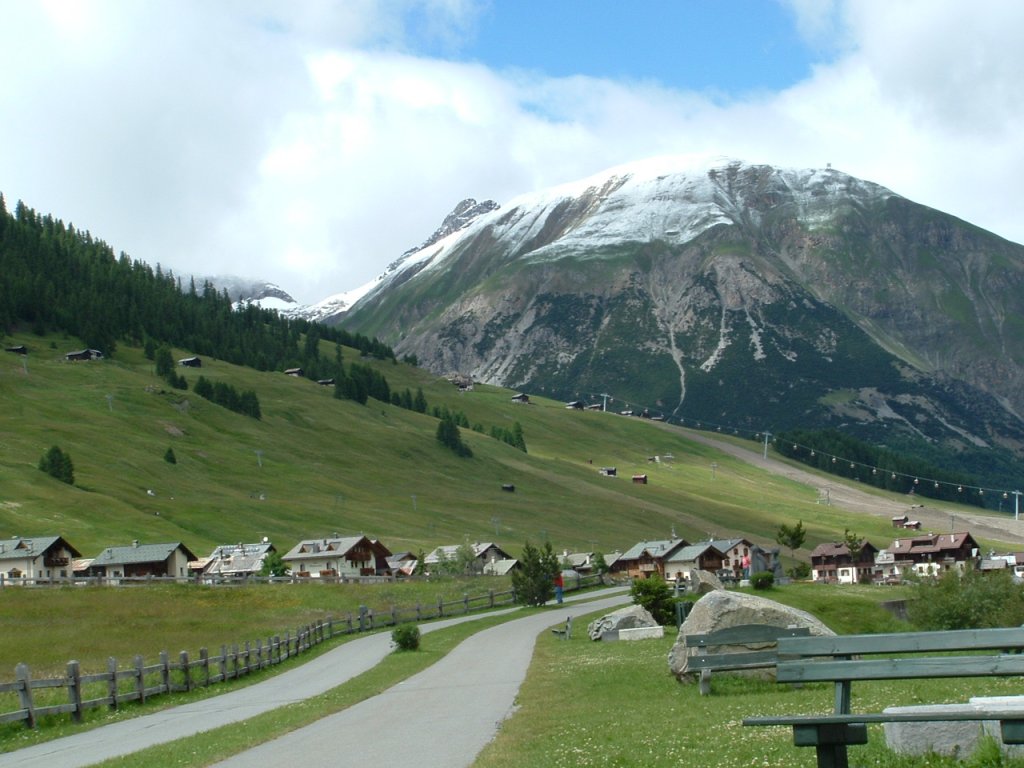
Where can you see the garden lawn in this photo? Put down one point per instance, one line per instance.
(594, 704)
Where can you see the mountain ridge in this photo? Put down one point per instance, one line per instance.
(683, 284)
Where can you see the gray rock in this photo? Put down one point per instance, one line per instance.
(624, 618)
(702, 582)
(720, 609)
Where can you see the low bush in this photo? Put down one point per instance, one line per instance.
(406, 637)
(762, 580)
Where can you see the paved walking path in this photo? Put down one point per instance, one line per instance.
(312, 678)
(441, 717)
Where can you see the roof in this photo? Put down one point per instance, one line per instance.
(450, 551)
(657, 548)
(500, 567)
(691, 552)
(932, 543)
(311, 549)
(840, 549)
(19, 548)
(238, 558)
(140, 553)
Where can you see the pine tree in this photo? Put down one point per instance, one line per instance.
(57, 463)
(534, 582)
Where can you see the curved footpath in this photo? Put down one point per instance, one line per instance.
(484, 673)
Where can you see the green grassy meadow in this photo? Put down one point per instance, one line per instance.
(315, 465)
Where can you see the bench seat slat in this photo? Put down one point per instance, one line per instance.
(891, 717)
(807, 671)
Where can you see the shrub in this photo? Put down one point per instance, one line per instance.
(799, 571)
(972, 600)
(57, 463)
(406, 637)
(169, 456)
(762, 580)
(656, 596)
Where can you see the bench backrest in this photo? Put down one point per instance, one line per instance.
(744, 634)
(912, 655)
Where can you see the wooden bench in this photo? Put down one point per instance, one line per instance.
(708, 660)
(564, 633)
(901, 656)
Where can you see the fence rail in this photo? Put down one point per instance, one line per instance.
(139, 681)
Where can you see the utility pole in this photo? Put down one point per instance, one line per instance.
(1016, 505)
(604, 401)
(766, 436)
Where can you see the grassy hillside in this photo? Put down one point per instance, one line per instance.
(315, 465)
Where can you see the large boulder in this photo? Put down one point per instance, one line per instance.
(624, 618)
(720, 609)
(702, 582)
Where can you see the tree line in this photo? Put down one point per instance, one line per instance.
(55, 277)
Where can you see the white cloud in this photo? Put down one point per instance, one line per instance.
(310, 146)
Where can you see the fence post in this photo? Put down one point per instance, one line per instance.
(223, 663)
(465, 601)
(24, 679)
(419, 611)
(186, 670)
(277, 647)
(165, 671)
(351, 628)
(287, 644)
(140, 679)
(259, 653)
(234, 661)
(330, 627)
(362, 618)
(248, 657)
(490, 598)
(112, 669)
(440, 606)
(204, 657)
(75, 690)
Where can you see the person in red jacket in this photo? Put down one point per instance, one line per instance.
(559, 587)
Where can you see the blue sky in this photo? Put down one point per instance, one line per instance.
(724, 48)
(312, 142)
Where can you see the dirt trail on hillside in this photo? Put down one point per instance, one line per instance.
(981, 524)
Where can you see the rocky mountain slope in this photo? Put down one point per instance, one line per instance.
(746, 296)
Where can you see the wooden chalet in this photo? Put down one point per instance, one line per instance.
(833, 563)
(339, 557)
(191, 362)
(140, 560)
(43, 558)
(926, 554)
(702, 556)
(647, 558)
(21, 349)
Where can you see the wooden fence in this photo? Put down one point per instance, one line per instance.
(140, 681)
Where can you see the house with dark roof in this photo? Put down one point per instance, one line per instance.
(926, 554)
(42, 558)
(140, 560)
(191, 362)
(647, 558)
(338, 557)
(680, 560)
(834, 563)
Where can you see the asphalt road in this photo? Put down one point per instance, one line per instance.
(513, 640)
